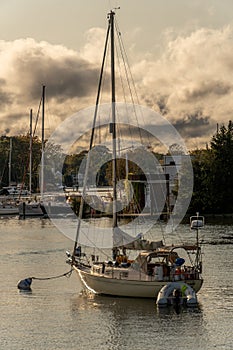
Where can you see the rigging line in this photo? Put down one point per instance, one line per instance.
(91, 143)
(48, 114)
(105, 127)
(123, 87)
(124, 94)
(99, 89)
(124, 54)
(85, 233)
(152, 189)
(133, 83)
(4, 168)
(33, 135)
(105, 133)
(37, 118)
(125, 62)
(128, 76)
(92, 242)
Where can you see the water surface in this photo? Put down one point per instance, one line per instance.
(56, 315)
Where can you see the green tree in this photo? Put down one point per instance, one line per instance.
(213, 173)
(19, 159)
(202, 198)
(222, 169)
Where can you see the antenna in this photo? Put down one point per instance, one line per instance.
(113, 10)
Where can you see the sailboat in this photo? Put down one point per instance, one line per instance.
(34, 207)
(154, 264)
(8, 203)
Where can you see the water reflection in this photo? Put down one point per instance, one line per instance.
(123, 322)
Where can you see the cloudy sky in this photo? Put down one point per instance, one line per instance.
(180, 54)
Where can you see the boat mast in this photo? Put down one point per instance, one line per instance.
(42, 144)
(91, 144)
(197, 242)
(113, 124)
(9, 164)
(30, 155)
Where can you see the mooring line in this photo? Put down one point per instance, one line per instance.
(67, 274)
(25, 285)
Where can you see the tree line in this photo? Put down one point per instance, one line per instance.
(213, 174)
(18, 156)
(212, 169)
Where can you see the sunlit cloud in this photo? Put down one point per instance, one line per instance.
(190, 83)
(192, 78)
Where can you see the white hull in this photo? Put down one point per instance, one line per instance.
(30, 209)
(54, 209)
(8, 210)
(36, 209)
(101, 284)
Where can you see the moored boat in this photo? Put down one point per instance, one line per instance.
(9, 208)
(31, 209)
(36, 207)
(153, 263)
(155, 266)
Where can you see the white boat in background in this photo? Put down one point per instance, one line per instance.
(10, 195)
(14, 191)
(152, 265)
(31, 209)
(9, 208)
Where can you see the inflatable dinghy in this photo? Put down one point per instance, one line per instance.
(176, 293)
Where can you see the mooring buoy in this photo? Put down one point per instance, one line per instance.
(25, 284)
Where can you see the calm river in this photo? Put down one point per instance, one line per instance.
(57, 316)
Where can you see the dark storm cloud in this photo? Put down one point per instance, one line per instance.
(5, 97)
(207, 88)
(12, 121)
(193, 125)
(194, 73)
(157, 102)
(71, 80)
(66, 77)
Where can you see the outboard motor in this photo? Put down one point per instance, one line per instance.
(177, 296)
